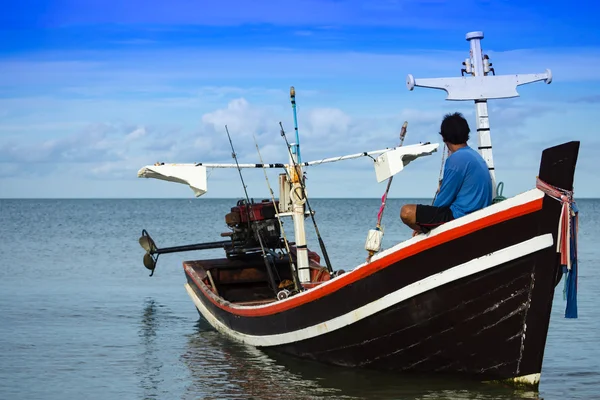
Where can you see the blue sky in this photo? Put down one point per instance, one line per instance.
(91, 91)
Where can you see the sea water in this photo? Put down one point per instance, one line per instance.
(81, 319)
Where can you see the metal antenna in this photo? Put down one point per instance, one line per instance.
(296, 149)
(478, 85)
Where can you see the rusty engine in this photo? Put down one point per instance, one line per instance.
(252, 223)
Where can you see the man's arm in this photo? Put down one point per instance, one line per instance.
(451, 184)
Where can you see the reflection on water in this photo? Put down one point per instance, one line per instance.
(149, 362)
(221, 368)
(388, 385)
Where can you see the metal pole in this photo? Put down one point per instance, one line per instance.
(297, 195)
(296, 148)
(481, 109)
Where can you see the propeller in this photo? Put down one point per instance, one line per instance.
(152, 252)
(148, 244)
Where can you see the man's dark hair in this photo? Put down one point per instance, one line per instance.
(455, 128)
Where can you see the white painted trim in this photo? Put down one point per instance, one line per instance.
(525, 380)
(523, 198)
(531, 379)
(431, 282)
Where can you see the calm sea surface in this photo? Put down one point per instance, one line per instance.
(81, 319)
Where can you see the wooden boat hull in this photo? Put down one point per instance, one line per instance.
(473, 297)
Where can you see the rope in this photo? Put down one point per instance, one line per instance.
(499, 190)
(444, 153)
(566, 244)
(381, 208)
(564, 226)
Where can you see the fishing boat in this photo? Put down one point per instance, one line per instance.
(470, 298)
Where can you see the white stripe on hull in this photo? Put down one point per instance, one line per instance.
(431, 282)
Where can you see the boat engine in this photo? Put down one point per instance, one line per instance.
(251, 224)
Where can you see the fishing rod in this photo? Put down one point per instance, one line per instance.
(248, 209)
(241, 177)
(301, 181)
(375, 235)
(292, 265)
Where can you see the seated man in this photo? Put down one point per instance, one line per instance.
(466, 186)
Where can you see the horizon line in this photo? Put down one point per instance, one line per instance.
(226, 198)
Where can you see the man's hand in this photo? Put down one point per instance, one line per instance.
(415, 233)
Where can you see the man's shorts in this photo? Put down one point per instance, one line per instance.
(429, 217)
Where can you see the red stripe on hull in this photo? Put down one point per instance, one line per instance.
(358, 274)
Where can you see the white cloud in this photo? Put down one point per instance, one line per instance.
(53, 93)
(332, 121)
(239, 116)
(161, 71)
(116, 151)
(136, 134)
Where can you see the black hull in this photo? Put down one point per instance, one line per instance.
(472, 298)
(474, 327)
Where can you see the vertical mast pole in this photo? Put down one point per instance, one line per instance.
(297, 196)
(296, 146)
(479, 86)
(481, 108)
(298, 200)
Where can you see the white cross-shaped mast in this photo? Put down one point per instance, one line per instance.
(479, 86)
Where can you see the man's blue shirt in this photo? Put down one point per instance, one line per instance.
(467, 184)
